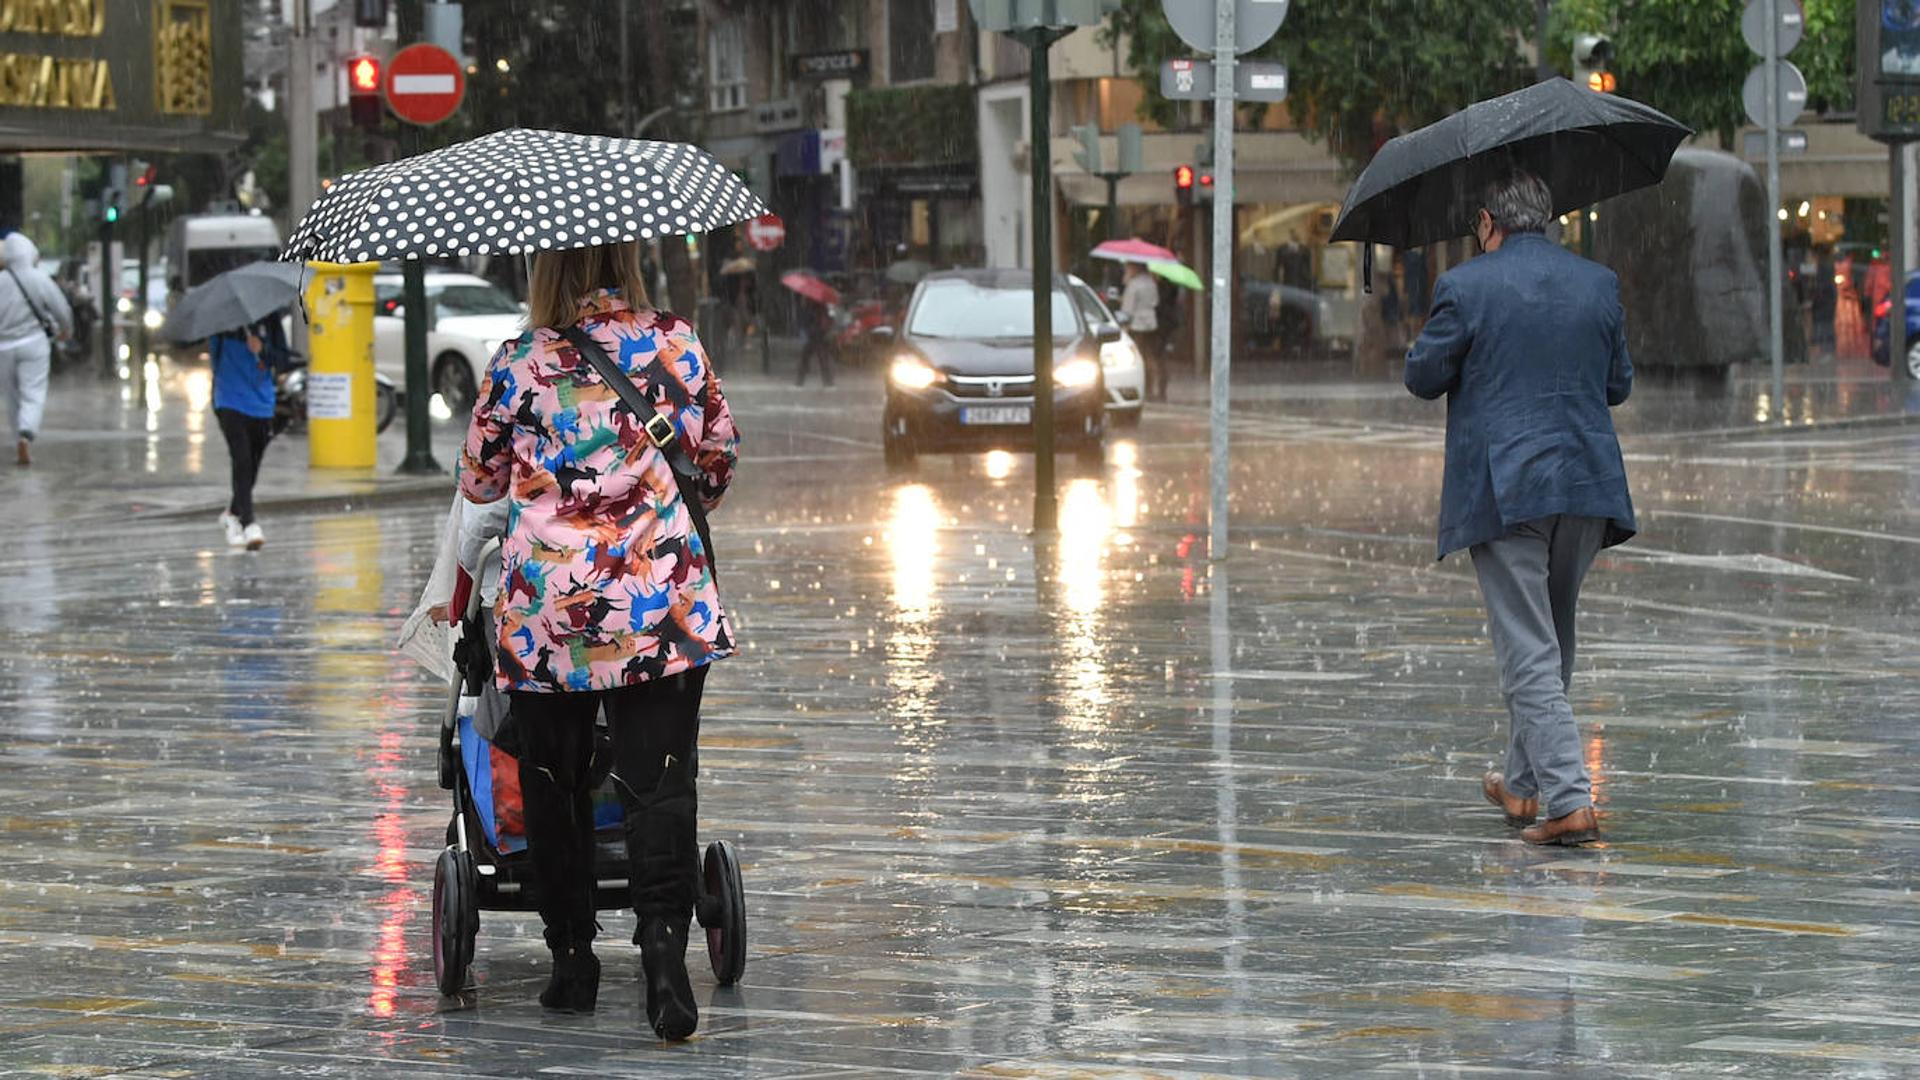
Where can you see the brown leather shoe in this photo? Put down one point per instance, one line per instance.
(23, 452)
(1568, 830)
(1519, 812)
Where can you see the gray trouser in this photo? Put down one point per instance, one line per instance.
(23, 383)
(1531, 580)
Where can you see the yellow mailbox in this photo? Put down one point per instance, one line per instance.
(341, 396)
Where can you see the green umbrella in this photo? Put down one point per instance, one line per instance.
(1179, 274)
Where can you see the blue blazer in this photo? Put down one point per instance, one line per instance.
(1528, 343)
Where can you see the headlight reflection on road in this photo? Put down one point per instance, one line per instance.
(1085, 529)
(912, 539)
(1126, 488)
(999, 465)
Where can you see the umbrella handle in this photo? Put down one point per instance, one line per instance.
(1366, 267)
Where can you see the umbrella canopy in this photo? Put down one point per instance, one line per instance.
(237, 298)
(519, 191)
(811, 287)
(739, 264)
(1135, 250)
(1178, 273)
(1426, 185)
(908, 271)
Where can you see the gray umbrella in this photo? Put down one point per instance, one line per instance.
(1425, 186)
(237, 298)
(908, 271)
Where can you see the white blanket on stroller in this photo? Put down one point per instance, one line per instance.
(464, 541)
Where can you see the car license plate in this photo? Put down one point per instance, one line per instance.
(997, 414)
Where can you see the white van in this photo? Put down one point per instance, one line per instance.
(200, 246)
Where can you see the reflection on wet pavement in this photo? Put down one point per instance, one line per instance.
(1088, 806)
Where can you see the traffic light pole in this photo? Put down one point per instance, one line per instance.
(1038, 40)
(1775, 336)
(104, 293)
(142, 233)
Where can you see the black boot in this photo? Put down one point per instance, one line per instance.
(660, 844)
(663, 960)
(575, 982)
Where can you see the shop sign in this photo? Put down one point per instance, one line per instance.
(845, 64)
(779, 115)
(833, 149)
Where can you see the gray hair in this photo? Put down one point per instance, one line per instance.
(1518, 203)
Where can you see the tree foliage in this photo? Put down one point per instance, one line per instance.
(1687, 58)
(1361, 73)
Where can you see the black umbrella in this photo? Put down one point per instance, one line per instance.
(520, 191)
(1426, 185)
(237, 298)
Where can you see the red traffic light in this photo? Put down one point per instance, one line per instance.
(363, 75)
(146, 177)
(1206, 180)
(1601, 82)
(1183, 177)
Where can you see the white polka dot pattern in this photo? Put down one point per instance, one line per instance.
(521, 190)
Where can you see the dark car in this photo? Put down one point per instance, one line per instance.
(961, 375)
(1880, 312)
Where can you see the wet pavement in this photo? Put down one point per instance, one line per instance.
(1087, 808)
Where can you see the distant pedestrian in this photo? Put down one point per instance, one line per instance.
(608, 598)
(816, 346)
(33, 315)
(1529, 343)
(244, 361)
(1140, 303)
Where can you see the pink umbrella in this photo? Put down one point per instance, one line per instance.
(811, 287)
(1134, 250)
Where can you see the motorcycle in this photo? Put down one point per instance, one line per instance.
(290, 399)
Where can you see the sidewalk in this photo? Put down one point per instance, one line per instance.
(102, 454)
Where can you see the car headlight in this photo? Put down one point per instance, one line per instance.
(153, 319)
(912, 373)
(1076, 373)
(125, 305)
(1120, 354)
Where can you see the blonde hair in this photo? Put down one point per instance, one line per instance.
(560, 279)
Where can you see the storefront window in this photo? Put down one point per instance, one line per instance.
(910, 39)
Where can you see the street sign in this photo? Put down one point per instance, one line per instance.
(1254, 21)
(1186, 80)
(1787, 32)
(1259, 80)
(1792, 141)
(1253, 80)
(1793, 94)
(425, 84)
(766, 232)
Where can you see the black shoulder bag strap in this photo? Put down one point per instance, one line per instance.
(660, 430)
(47, 325)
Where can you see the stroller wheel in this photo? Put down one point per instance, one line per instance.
(727, 933)
(456, 920)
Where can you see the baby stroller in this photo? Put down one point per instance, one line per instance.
(485, 866)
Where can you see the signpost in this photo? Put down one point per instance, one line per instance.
(1236, 26)
(1775, 94)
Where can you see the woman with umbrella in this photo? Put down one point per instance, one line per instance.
(605, 426)
(238, 315)
(816, 323)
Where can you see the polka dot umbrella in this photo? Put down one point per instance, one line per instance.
(520, 191)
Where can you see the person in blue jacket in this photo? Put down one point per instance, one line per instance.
(244, 362)
(1528, 342)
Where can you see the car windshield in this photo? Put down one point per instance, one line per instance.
(475, 300)
(966, 309)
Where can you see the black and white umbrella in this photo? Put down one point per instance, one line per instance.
(520, 191)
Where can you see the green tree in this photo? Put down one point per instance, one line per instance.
(1361, 73)
(1687, 58)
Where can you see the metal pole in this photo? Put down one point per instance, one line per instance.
(413, 288)
(626, 70)
(1542, 70)
(1046, 509)
(1899, 220)
(1775, 342)
(1223, 35)
(143, 237)
(107, 292)
(303, 167)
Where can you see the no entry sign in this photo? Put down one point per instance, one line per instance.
(425, 84)
(766, 232)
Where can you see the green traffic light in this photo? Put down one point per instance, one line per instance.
(113, 214)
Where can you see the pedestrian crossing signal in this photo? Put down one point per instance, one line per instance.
(363, 85)
(1601, 82)
(1183, 184)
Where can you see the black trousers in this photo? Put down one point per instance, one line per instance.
(817, 350)
(655, 728)
(247, 438)
(1153, 353)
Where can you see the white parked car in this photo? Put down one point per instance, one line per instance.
(470, 315)
(1121, 364)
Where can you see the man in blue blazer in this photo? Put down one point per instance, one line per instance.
(1528, 343)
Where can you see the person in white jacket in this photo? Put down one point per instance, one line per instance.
(33, 314)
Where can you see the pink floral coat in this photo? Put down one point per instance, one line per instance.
(605, 582)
